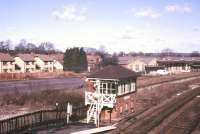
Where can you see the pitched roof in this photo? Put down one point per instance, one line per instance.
(26, 57)
(124, 60)
(44, 57)
(5, 57)
(114, 72)
(145, 59)
(58, 57)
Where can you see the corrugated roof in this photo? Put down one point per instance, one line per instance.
(114, 72)
(179, 60)
(5, 57)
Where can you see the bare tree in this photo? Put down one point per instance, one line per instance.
(46, 47)
(21, 47)
(5, 46)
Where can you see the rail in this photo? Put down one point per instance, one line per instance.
(39, 118)
(106, 99)
(155, 117)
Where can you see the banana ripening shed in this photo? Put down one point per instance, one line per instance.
(110, 93)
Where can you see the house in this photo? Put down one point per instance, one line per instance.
(43, 63)
(58, 60)
(57, 65)
(6, 63)
(137, 64)
(24, 63)
(110, 93)
(180, 64)
(94, 61)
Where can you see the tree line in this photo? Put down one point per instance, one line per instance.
(27, 47)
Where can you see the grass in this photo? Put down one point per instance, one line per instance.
(46, 97)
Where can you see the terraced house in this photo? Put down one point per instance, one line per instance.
(24, 63)
(6, 63)
(44, 63)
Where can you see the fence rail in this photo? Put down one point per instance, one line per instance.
(39, 118)
(28, 75)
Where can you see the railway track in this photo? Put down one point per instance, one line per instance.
(186, 121)
(144, 124)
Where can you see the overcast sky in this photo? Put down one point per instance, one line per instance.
(119, 25)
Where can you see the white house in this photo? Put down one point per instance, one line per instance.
(138, 63)
(57, 65)
(43, 63)
(6, 63)
(24, 63)
(57, 61)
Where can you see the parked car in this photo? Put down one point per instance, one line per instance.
(162, 72)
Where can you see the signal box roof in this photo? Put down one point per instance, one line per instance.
(114, 72)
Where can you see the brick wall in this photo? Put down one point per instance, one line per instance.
(124, 106)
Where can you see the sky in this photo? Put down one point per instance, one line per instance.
(119, 25)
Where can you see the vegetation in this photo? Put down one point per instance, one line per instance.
(75, 59)
(42, 98)
(106, 61)
(26, 47)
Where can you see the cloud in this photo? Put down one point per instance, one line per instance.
(127, 33)
(70, 13)
(178, 8)
(196, 29)
(145, 12)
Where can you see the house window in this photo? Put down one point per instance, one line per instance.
(4, 63)
(132, 86)
(119, 90)
(5, 70)
(137, 67)
(143, 67)
(108, 87)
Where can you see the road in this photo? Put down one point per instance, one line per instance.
(40, 84)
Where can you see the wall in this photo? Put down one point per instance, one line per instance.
(124, 106)
(140, 64)
(20, 63)
(40, 63)
(57, 65)
(9, 66)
